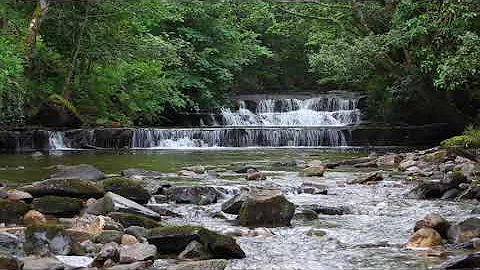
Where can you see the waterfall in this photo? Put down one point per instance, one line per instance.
(56, 141)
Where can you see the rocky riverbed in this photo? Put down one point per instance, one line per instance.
(252, 210)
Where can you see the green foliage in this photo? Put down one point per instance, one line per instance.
(469, 139)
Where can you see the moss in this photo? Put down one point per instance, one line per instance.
(437, 157)
(61, 101)
(12, 211)
(55, 205)
(173, 230)
(129, 219)
(458, 176)
(469, 139)
(127, 188)
(66, 187)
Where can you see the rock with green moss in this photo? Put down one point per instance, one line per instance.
(266, 208)
(58, 206)
(108, 236)
(44, 239)
(174, 239)
(12, 211)
(65, 187)
(127, 188)
(56, 111)
(130, 219)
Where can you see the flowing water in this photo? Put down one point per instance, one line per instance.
(370, 236)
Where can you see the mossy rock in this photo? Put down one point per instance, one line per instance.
(463, 141)
(174, 239)
(108, 236)
(127, 188)
(76, 188)
(266, 210)
(436, 157)
(130, 219)
(58, 206)
(12, 211)
(56, 111)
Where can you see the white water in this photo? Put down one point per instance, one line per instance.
(56, 141)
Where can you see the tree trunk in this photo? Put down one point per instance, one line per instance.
(67, 93)
(34, 28)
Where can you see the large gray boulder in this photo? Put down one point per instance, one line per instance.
(58, 206)
(127, 188)
(266, 208)
(137, 252)
(82, 171)
(65, 187)
(233, 205)
(200, 195)
(112, 202)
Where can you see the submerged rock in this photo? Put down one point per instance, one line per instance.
(127, 188)
(65, 187)
(471, 261)
(58, 206)
(327, 210)
(82, 171)
(266, 208)
(196, 169)
(245, 169)
(140, 173)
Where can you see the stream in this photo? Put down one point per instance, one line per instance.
(370, 235)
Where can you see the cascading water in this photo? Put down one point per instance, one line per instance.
(56, 141)
(312, 122)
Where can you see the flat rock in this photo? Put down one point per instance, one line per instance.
(42, 263)
(82, 171)
(112, 202)
(65, 187)
(313, 188)
(58, 206)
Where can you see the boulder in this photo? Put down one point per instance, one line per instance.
(424, 237)
(200, 195)
(436, 222)
(137, 231)
(427, 190)
(108, 236)
(266, 208)
(137, 252)
(82, 171)
(42, 263)
(108, 251)
(9, 262)
(57, 111)
(10, 243)
(112, 202)
(312, 188)
(194, 251)
(58, 206)
(128, 239)
(34, 217)
(255, 175)
(453, 179)
(174, 239)
(65, 187)
(130, 219)
(464, 231)
(42, 239)
(18, 195)
(371, 178)
(127, 188)
(12, 211)
(314, 171)
(217, 264)
(471, 261)
(233, 205)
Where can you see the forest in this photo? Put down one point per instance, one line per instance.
(137, 63)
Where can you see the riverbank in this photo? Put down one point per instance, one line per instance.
(351, 210)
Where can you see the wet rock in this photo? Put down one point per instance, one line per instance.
(112, 202)
(434, 221)
(79, 236)
(475, 211)
(471, 192)
(451, 194)
(327, 210)
(217, 264)
(42, 263)
(9, 262)
(162, 211)
(464, 231)
(266, 208)
(128, 239)
(56, 112)
(137, 252)
(255, 175)
(316, 232)
(58, 206)
(34, 217)
(427, 190)
(127, 188)
(424, 237)
(370, 164)
(12, 211)
(314, 171)
(75, 262)
(159, 199)
(137, 231)
(9, 243)
(312, 188)
(133, 266)
(82, 171)
(129, 219)
(3, 194)
(187, 173)
(175, 239)
(139, 173)
(447, 166)
(18, 195)
(404, 165)
(453, 179)
(306, 214)
(196, 169)
(471, 261)
(200, 195)
(233, 205)
(389, 160)
(108, 236)
(371, 178)
(194, 251)
(109, 251)
(245, 169)
(65, 187)
(260, 232)
(42, 239)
